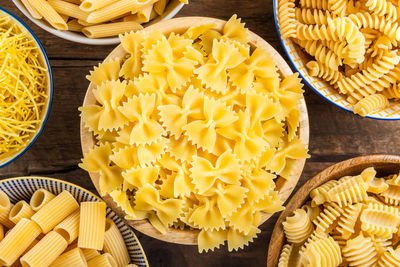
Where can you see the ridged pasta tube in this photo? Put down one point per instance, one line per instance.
(321, 53)
(367, 20)
(286, 17)
(317, 69)
(370, 103)
(298, 227)
(313, 16)
(383, 8)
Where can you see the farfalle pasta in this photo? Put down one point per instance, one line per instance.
(354, 45)
(359, 228)
(192, 129)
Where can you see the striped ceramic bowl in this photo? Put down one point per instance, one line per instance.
(22, 188)
(299, 60)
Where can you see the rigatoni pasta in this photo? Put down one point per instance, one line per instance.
(26, 244)
(45, 251)
(102, 15)
(40, 198)
(5, 208)
(18, 240)
(92, 225)
(55, 211)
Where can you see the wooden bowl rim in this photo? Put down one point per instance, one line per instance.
(179, 25)
(340, 169)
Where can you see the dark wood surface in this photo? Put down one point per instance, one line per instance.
(336, 135)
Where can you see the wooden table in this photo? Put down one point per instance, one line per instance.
(336, 135)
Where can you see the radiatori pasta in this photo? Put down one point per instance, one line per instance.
(192, 128)
(354, 45)
(97, 18)
(358, 224)
(36, 242)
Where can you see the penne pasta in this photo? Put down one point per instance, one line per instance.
(55, 211)
(132, 17)
(90, 253)
(31, 9)
(45, 251)
(68, 9)
(40, 198)
(74, 257)
(115, 245)
(78, 2)
(74, 26)
(159, 6)
(116, 9)
(84, 23)
(49, 14)
(103, 260)
(65, 17)
(21, 210)
(69, 227)
(145, 13)
(91, 5)
(111, 29)
(92, 225)
(5, 208)
(17, 241)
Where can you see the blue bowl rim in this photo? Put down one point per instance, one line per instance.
(275, 2)
(19, 154)
(82, 189)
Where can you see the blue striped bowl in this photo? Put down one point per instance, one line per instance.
(22, 188)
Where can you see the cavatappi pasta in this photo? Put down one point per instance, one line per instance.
(192, 129)
(53, 240)
(357, 225)
(97, 18)
(354, 45)
(23, 88)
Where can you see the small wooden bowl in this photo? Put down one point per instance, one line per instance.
(180, 25)
(383, 164)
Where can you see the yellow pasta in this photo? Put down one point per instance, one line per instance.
(71, 10)
(55, 211)
(298, 227)
(159, 6)
(105, 260)
(21, 210)
(69, 227)
(92, 225)
(40, 198)
(1, 232)
(49, 13)
(45, 251)
(91, 5)
(24, 86)
(115, 245)
(144, 13)
(5, 208)
(74, 257)
(363, 232)
(17, 241)
(370, 103)
(90, 253)
(196, 139)
(111, 29)
(31, 10)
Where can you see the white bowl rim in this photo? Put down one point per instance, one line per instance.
(79, 38)
(275, 7)
(50, 97)
(21, 178)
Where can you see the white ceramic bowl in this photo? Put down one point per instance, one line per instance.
(299, 60)
(22, 188)
(46, 111)
(171, 10)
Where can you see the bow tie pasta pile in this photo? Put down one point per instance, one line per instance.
(192, 129)
(354, 45)
(353, 221)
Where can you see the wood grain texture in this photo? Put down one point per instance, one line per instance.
(383, 164)
(285, 187)
(335, 134)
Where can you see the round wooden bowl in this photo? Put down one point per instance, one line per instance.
(383, 164)
(180, 25)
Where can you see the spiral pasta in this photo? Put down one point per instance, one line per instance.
(383, 8)
(287, 25)
(313, 16)
(364, 231)
(317, 69)
(321, 53)
(298, 227)
(317, 4)
(392, 92)
(370, 103)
